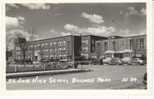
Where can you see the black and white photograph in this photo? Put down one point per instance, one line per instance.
(70, 46)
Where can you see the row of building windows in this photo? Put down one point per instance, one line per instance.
(59, 43)
(58, 56)
(125, 43)
(85, 55)
(85, 49)
(44, 56)
(55, 50)
(85, 42)
(46, 44)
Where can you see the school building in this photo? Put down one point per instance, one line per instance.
(72, 48)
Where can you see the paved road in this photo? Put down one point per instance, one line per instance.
(102, 77)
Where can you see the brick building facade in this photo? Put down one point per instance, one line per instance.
(72, 48)
(88, 45)
(117, 46)
(64, 48)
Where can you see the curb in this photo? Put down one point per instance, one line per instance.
(51, 72)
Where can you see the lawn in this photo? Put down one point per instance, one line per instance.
(112, 77)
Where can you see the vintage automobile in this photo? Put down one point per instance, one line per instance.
(137, 61)
(107, 60)
(126, 60)
(132, 61)
(112, 61)
(116, 61)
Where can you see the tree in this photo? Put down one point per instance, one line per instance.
(21, 43)
(8, 54)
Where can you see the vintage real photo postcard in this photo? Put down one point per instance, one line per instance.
(77, 45)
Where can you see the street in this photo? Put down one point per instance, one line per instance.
(101, 77)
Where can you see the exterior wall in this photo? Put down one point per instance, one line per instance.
(119, 46)
(85, 46)
(54, 48)
(71, 48)
(77, 47)
(88, 45)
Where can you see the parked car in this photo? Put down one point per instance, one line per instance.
(137, 61)
(112, 61)
(126, 60)
(107, 60)
(70, 64)
(132, 61)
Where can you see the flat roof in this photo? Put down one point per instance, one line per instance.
(52, 38)
(135, 35)
(95, 35)
(114, 36)
(66, 36)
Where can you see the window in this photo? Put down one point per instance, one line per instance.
(85, 41)
(98, 44)
(123, 43)
(17, 48)
(18, 53)
(45, 50)
(60, 55)
(28, 46)
(85, 55)
(105, 46)
(59, 43)
(59, 49)
(64, 55)
(50, 43)
(51, 56)
(38, 45)
(85, 49)
(46, 44)
(42, 45)
(46, 56)
(55, 50)
(54, 43)
(131, 44)
(29, 52)
(114, 45)
(64, 48)
(142, 43)
(51, 50)
(35, 46)
(138, 43)
(31, 46)
(64, 43)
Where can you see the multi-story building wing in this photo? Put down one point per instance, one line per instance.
(64, 48)
(88, 45)
(138, 44)
(117, 46)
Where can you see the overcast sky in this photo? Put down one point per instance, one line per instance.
(50, 20)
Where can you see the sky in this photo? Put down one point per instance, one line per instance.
(40, 21)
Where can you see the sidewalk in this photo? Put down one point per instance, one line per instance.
(50, 72)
